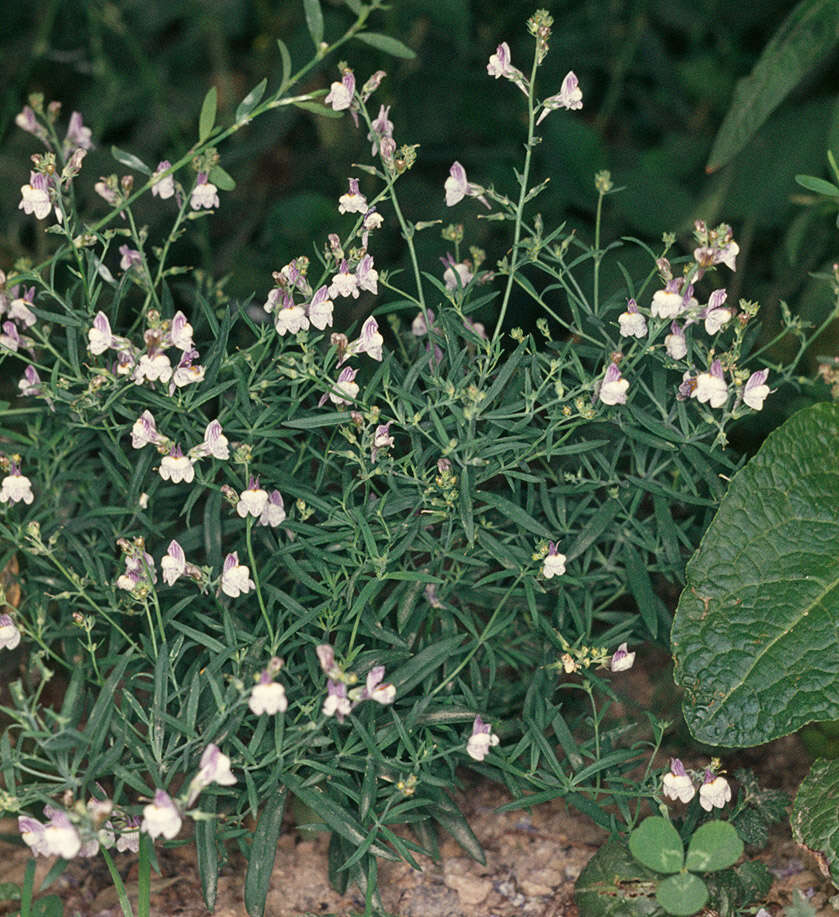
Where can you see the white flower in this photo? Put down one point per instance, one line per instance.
(153, 367)
(456, 185)
(353, 201)
(144, 431)
(253, 500)
(268, 698)
(235, 577)
(613, 388)
(366, 275)
(320, 309)
(369, 341)
(456, 275)
(204, 194)
(274, 512)
(99, 336)
(345, 389)
(173, 563)
(632, 323)
(756, 390)
(715, 314)
(677, 784)
(161, 817)
(344, 283)
(32, 834)
(34, 197)
(129, 838)
(675, 343)
(61, 838)
(180, 332)
(176, 467)
(714, 792)
(9, 633)
(16, 487)
(711, 387)
(340, 95)
(481, 740)
(569, 97)
(163, 188)
(554, 563)
(214, 768)
(666, 304)
(291, 318)
(622, 659)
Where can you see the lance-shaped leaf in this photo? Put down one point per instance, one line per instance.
(756, 633)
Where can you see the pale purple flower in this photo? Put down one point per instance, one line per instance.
(152, 367)
(253, 500)
(35, 197)
(139, 568)
(366, 275)
(337, 702)
(341, 94)
(381, 439)
(99, 336)
(180, 332)
(204, 194)
(344, 283)
(622, 659)
(569, 97)
(369, 341)
(675, 343)
(9, 633)
(77, 134)
(353, 201)
(104, 189)
(268, 697)
(481, 740)
(27, 121)
(374, 689)
(144, 431)
(666, 304)
(235, 577)
(380, 128)
(345, 389)
(129, 838)
(176, 467)
(554, 563)
(30, 384)
(457, 187)
(19, 310)
(290, 318)
(711, 386)
(274, 512)
(632, 322)
(16, 487)
(74, 163)
(756, 390)
(215, 441)
(32, 834)
(456, 274)
(161, 817)
(326, 658)
(715, 314)
(677, 784)
(714, 792)
(214, 768)
(60, 837)
(371, 221)
(613, 388)
(499, 63)
(10, 338)
(187, 372)
(173, 563)
(163, 188)
(131, 257)
(320, 309)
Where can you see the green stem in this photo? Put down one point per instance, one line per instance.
(122, 895)
(255, 574)
(144, 877)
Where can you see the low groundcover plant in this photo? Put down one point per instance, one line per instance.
(343, 537)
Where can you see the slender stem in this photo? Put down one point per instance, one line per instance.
(598, 255)
(122, 895)
(144, 877)
(525, 176)
(255, 573)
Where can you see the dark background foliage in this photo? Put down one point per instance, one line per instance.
(657, 77)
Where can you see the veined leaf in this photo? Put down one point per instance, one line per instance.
(387, 44)
(207, 119)
(130, 160)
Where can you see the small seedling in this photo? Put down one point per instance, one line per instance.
(713, 846)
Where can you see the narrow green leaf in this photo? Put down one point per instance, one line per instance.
(316, 108)
(249, 103)
(285, 59)
(804, 39)
(130, 160)
(714, 845)
(387, 44)
(338, 854)
(314, 21)
(221, 179)
(262, 854)
(598, 522)
(409, 675)
(819, 185)
(206, 851)
(451, 819)
(207, 119)
(641, 588)
(160, 699)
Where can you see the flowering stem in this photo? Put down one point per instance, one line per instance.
(144, 877)
(136, 238)
(124, 903)
(254, 572)
(528, 156)
(598, 255)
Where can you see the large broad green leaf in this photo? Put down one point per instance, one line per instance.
(615, 884)
(815, 816)
(803, 40)
(756, 634)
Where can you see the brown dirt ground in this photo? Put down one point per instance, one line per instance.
(533, 859)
